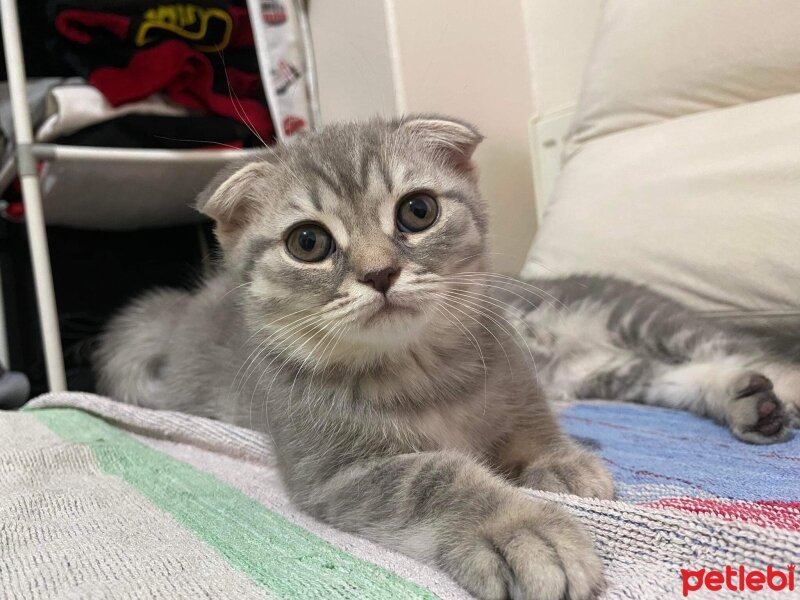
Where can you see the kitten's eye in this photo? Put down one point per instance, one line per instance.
(416, 212)
(309, 242)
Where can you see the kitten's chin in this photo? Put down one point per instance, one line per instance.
(389, 313)
(390, 324)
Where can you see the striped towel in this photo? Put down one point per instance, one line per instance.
(104, 500)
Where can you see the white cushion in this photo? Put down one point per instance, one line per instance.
(683, 168)
(705, 208)
(658, 59)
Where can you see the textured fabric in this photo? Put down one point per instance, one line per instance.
(38, 91)
(173, 426)
(136, 51)
(738, 506)
(236, 527)
(187, 77)
(164, 132)
(692, 495)
(649, 446)
(681, 168)
(70, 108)
(69, 530)
(279, 557)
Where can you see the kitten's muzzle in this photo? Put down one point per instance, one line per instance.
(381, 280)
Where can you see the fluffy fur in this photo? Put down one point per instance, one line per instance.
(412, 417)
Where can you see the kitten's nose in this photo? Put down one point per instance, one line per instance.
(381, 280)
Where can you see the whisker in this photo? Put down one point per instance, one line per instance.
(240, 112)
(278, 371)
(234, 288)
(209, 142)
(325, 357)
(341, 333)
(303, 364)
(281, 352)
(451, 304)
(353, 309)
(245, 118)
(519, 335)
(480, 353)
(477, 301)
(330, 307)
(496, 285)
(264, 345)
(517, 282)
(301, 327)
(472, 283)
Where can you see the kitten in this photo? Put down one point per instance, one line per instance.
(603, 338)
(396, 413)
(354, 320)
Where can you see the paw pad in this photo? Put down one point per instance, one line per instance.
(766, 408)
(771, 419)
(757, 415)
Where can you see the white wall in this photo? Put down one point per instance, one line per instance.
(559, 34)
(468, 59)
(352, 52)
(496, 64)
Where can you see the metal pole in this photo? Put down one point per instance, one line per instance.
(54, 152)
(5, 359)
(302, 10)
(31, 196)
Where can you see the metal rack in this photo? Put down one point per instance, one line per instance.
(28, 153)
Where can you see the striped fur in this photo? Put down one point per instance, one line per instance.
(414, 426)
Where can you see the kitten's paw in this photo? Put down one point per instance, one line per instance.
(794, 416)
(570, 470)
(530, 551)
(756, 414)
(787, 387)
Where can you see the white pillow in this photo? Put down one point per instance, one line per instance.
(684, 170)
(659, 59)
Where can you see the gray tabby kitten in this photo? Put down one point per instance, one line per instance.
(354, 320)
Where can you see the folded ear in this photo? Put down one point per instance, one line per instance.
(456, 139)
(231, 199)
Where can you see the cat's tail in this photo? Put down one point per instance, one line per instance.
(133, 349)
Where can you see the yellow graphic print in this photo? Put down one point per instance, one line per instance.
(188, 21)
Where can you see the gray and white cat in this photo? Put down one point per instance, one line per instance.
(403, 385)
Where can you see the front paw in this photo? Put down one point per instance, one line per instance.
(570, 470)
(756, 414)
(525, 552)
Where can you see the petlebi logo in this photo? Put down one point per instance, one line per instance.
(739, 579)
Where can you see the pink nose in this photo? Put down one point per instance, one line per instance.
(381, 280)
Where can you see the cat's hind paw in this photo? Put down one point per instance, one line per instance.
(787, 388)
(756, 415)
